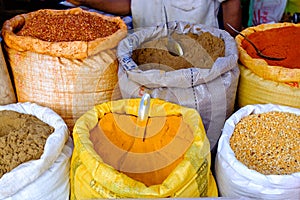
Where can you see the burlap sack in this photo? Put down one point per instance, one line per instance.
(7, 94)
(91, 178)
(263, 83)
(68, 77)
(210, 91)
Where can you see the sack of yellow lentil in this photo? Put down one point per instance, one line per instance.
(258, 153)
(205, 77)
(7, 94)
(269, 81)
(44, 178)
(64, 59)
(111, 161)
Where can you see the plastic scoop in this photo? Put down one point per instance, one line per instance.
(143, 115)
(173, 46)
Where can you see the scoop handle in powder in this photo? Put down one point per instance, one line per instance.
(143, 114)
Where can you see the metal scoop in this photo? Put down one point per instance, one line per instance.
(143, 115)
(259, 53)
(173, 46)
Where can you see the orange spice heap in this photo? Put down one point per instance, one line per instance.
(277, 42)
(114, 130)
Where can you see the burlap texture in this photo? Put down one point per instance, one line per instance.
(52, 75)
(7, 93)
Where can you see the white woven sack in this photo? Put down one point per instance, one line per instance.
(210, 91)
(234, 179)
(47, 177)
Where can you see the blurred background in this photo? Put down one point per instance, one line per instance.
(10, 8)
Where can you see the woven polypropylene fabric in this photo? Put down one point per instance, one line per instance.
(69, 87)
(253, 89)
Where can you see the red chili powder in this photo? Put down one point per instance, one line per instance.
(277, 42)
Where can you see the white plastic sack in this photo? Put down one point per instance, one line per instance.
(265, 11)
(47, 177)
(234, 179)
(210, 91)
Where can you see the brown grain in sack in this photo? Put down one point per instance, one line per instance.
(60, 60)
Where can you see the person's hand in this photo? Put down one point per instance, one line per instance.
(75, 2)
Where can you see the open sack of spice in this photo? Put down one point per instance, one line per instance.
(35, 153)
(264, 80)
(64, 59)
(205, 77)
(118, 156)
(258, 153)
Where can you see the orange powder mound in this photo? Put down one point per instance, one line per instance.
(277, 42)
(115, 135)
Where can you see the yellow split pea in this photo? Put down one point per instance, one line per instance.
(268, 142)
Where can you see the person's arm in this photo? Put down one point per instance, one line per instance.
(232, 14)
(117, 7)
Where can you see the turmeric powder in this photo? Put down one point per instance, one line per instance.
(276, 42)
(117, 130)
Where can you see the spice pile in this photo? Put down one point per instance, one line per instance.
(119, 130)
(268, 142)
(200, 51)
(47, 26)
(276, 42)
(22, 138)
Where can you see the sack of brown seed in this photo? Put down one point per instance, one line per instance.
(258, 153)
(44, 177)
(64, 59)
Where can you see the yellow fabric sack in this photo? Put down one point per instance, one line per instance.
(263, 83)
(256, 90)
(91, 178)
(68, 77)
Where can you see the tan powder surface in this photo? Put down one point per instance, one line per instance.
(200, 51)
(22, 138)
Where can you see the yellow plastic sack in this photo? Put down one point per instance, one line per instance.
(91, 178)
(262, 83)
(256, 90)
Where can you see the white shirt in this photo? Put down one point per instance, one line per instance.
(147, 13)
